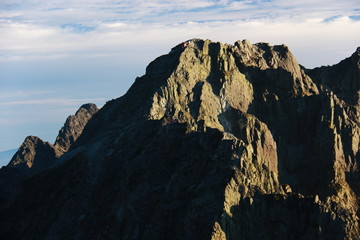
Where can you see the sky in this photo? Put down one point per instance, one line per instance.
(56, 55)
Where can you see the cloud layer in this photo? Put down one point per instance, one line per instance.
(59, 29)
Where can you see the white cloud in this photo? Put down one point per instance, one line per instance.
(132, 40)
(46, 29)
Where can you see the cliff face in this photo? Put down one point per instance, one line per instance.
(215, 141)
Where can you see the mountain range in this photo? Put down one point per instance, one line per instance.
(215, 141)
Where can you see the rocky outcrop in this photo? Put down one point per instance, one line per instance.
(215, 141)
(34, 155)
(74, 126)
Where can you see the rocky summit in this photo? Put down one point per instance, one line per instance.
(35, 155)
(215, 141)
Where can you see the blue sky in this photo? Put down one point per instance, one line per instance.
(56, 55)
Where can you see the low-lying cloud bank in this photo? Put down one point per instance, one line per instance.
(43, 30)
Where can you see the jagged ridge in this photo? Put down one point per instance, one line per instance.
(35, 155)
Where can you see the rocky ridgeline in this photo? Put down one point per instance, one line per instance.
(35, 155)
(215, 141)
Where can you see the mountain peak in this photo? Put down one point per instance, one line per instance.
(34, 154)
(89, 107)
(215, 141)
(74, 126)
(206, 78)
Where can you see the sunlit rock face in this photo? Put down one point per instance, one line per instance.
(215, 141)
